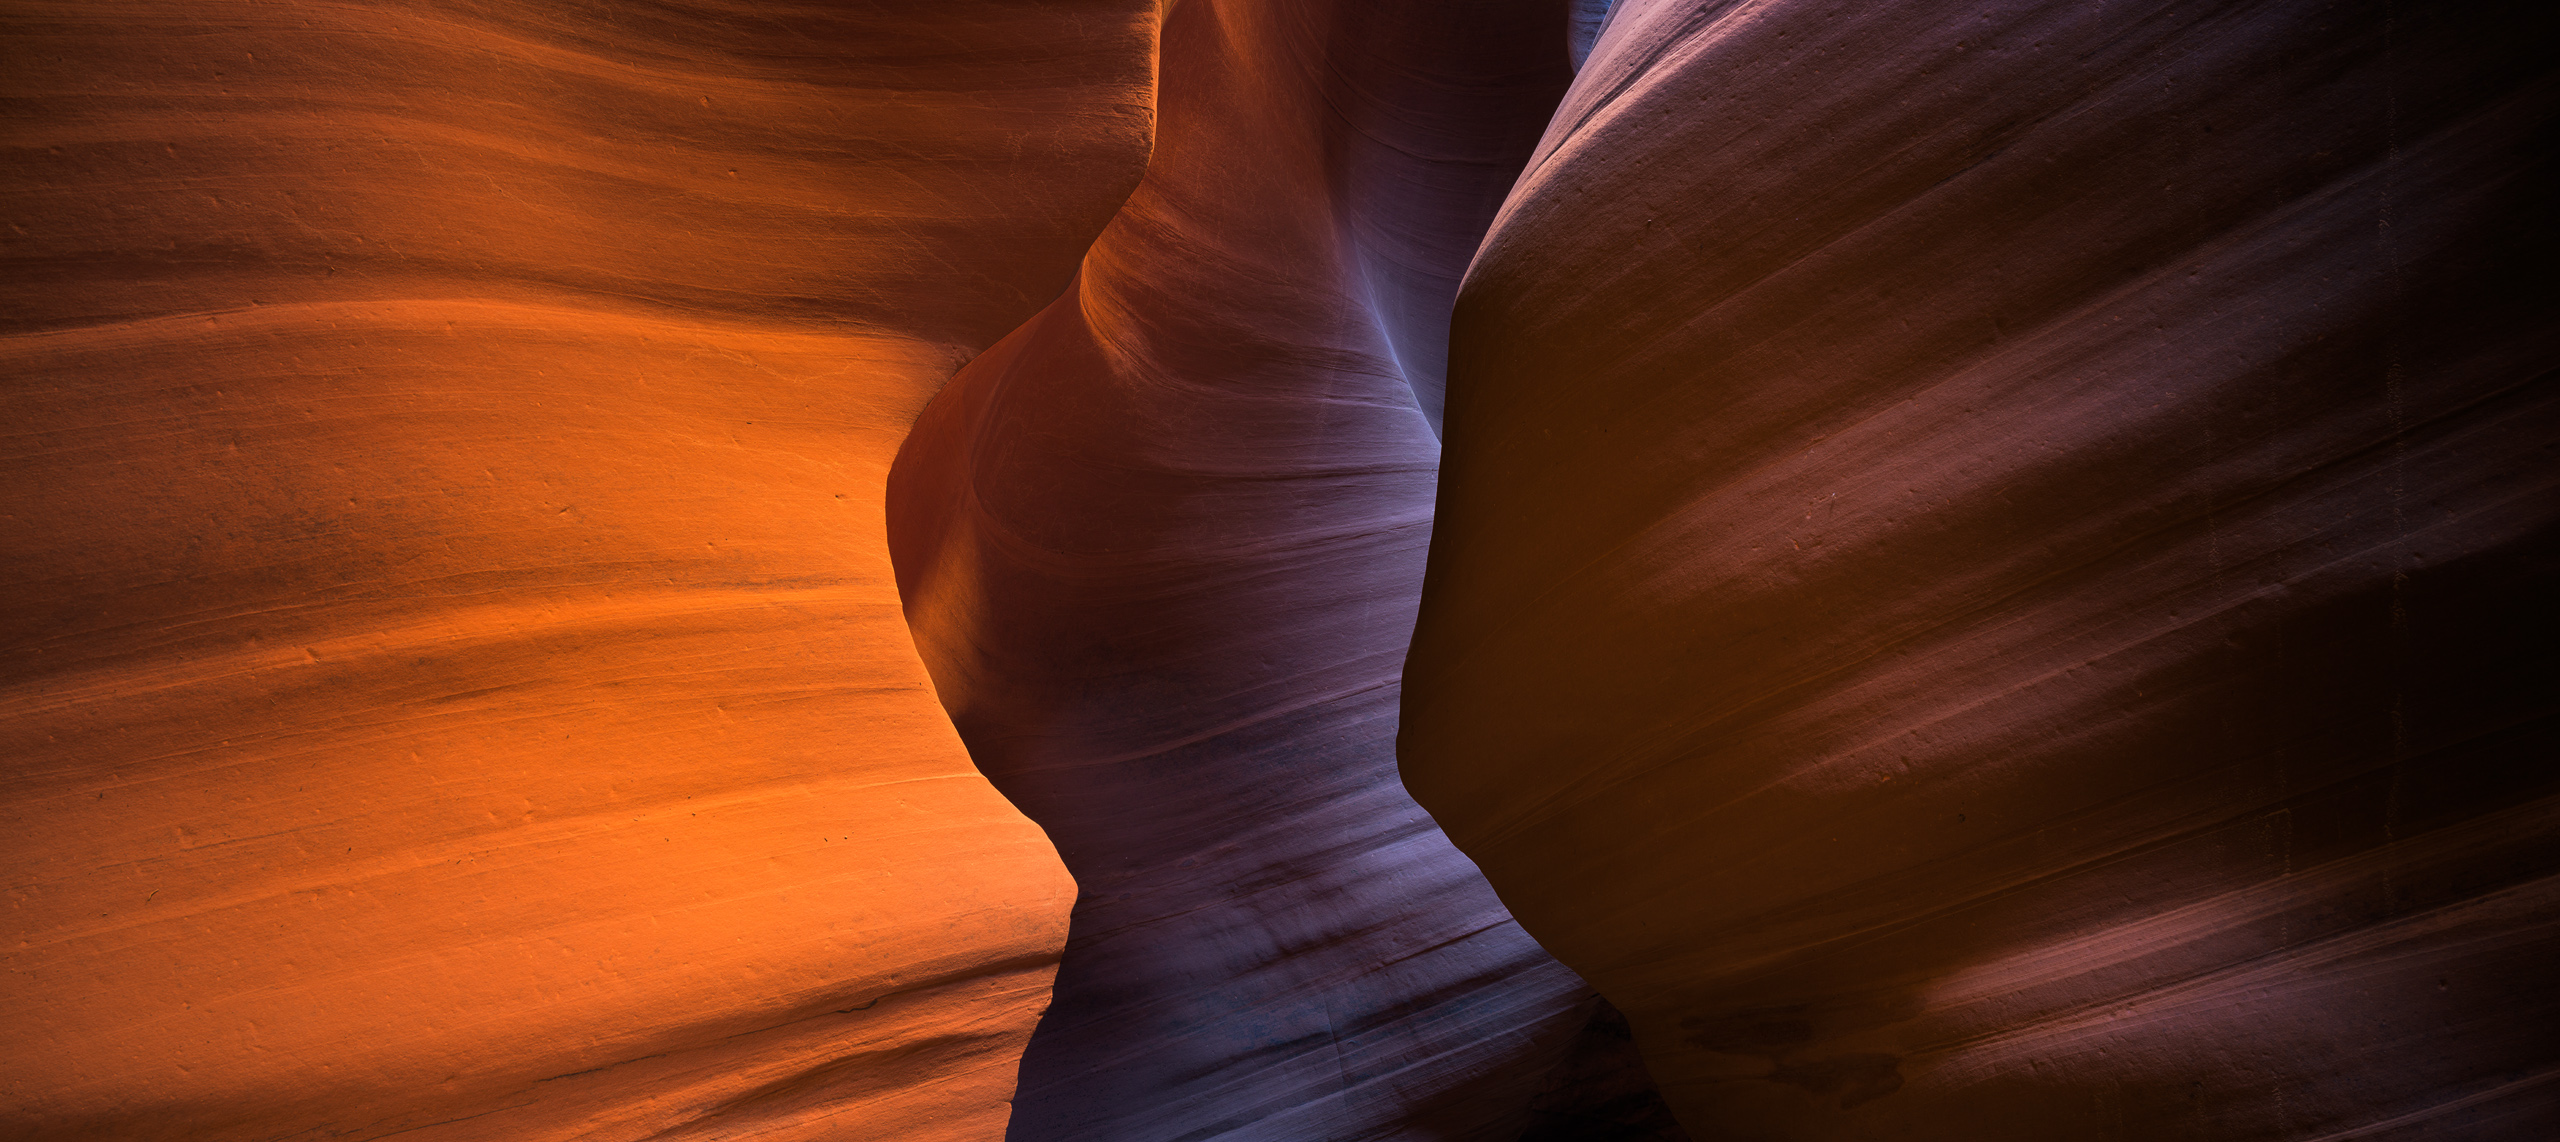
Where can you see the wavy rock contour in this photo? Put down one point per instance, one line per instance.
(1160, 548)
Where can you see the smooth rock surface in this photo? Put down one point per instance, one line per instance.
(454, 684)
(1990, 568)
(1161, 547)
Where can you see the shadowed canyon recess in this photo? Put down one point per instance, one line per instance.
(1278, 570)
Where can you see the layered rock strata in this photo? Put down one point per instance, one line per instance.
(454, 683)
(1987, 567)
(1160, 548)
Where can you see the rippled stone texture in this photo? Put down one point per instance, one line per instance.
(1161, 548)
(1987, 581)
(454, 680)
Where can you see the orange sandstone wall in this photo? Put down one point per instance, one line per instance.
(454, 683)
(1991, 568)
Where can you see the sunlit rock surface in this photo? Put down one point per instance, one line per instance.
(1988, 578)
(1161, 549)
(454, 682)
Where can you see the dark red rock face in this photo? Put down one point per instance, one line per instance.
(1161, 549)
(1988, 572)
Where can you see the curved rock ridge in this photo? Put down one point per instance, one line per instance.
(1160, 548)
(1987, 573)
(454, 684)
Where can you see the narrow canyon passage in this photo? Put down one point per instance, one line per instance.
(1161, 548)
(1279, 570)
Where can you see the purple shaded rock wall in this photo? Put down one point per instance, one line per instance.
(1161, 549)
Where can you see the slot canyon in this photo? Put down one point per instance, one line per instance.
(1281, 571)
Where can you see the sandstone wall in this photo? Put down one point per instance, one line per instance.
(455, 684)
